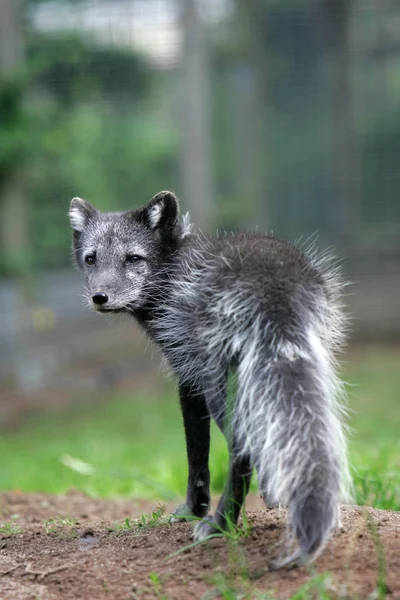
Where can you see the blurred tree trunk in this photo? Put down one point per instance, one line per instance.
(382, 12)
(10, 35)
(337, 21)
(13, 199)
(195, 119)
(251, 99)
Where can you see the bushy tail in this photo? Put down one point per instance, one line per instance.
(288, 418)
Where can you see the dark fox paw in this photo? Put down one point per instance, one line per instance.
(183, 513)
(205, 528)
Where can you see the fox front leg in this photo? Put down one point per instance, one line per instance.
(196, 420)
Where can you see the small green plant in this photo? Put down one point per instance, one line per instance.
(145, 521)
(223, 588)
(235, 531)
(124, 526)
(152, 519)
(381, 585)
(59, 524)
(319, 587)
(228, 587)
(157, 586)
(10, 528)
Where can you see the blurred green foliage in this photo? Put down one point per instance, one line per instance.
(95, 120)
(98, 139)
(73, 69)
(134, 444)
(14, 125)
(81, 122)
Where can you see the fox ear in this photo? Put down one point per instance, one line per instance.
(162, 211)
(80, 213)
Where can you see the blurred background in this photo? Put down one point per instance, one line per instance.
(276, 114)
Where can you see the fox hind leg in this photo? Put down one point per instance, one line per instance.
(231, 501)
(240, 469)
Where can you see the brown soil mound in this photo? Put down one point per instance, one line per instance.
(76, 555)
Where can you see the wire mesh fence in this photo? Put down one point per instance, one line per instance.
(281, 115)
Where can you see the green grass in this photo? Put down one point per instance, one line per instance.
(127, 445)
(133, 445)
(61, 524)
(9, 528)
(374, 400)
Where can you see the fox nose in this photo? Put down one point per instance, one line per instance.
(100, 298)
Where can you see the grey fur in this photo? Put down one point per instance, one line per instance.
(245, 302)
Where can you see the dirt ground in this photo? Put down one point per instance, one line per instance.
(67, 547)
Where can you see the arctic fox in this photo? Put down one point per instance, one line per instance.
(245, 303)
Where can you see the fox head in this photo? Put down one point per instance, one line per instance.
(123, 254)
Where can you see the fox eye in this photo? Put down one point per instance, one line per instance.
(90, 259)
(132, 258)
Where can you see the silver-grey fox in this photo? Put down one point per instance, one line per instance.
(245, 303)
